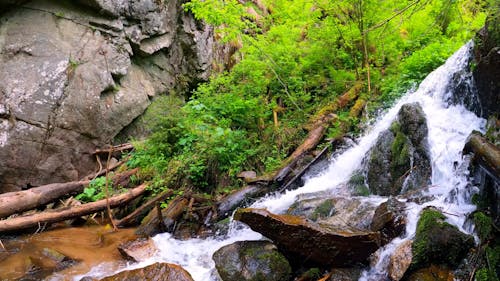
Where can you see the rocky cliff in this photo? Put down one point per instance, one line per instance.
(74, 74)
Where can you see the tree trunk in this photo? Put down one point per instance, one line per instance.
(23, 222)
(20, 201)
(133, 218)
(485, 152)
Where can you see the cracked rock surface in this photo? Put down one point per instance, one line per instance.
(75, 74)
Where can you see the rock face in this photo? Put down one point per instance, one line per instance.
(251, 261)
(487, 70)
(400, 261)
(399, 161)
(74, 74)
(389, 219)
(154, 272)
(320, 244)
(438, 242)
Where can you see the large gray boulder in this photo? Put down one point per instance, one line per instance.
(74, 76)
(400, 161)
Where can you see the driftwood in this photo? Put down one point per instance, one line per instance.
(20, 201)
(133, 217)
(39, 219)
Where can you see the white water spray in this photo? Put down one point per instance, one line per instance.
(449, 126)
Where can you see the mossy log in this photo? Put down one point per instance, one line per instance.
(484, 151)
(36, 220)
(20, 201)
(317, 128)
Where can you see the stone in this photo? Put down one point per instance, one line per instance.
(432, 273)
(251, 261)
(438, 242)
(247, 175)
(345, 274)
(311, 242)
(155, 272)
(389, 219)
(400, 161)
(138, 250)
(75, 75)
(400, 261)
(338, 212)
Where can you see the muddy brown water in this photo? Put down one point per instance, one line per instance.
(88, 245)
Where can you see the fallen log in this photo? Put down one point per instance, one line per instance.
(24, 222)
(317, 129)
(156, 222)
(116, 148)
(484, 151)
(133, 218)
(20, 201)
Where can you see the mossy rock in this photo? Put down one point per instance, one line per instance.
(438, 242)
(251, 261)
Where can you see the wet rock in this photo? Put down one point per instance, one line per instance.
(154, 272)
(400, 161)
(432, 273)
(345, 274)
(389, 219)
(400, 261)
(137, 250)
(251, 261)
(239, 198)
(312, 242)
(438, 242)
(339, 212)
(153, 224)
(60, 260)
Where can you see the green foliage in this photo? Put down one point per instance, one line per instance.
(293, 57)
(95, 191)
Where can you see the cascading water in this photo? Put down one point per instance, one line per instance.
(449, 125)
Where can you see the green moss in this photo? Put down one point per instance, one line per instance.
(483, 225)
(400, 150)
(313, 274)
(361, 190)
(325, 209)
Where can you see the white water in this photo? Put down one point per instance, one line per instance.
(448, 126)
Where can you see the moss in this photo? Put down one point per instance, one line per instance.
(483, 225)
(361, 190)
(400, 150)
(313, 274)
(325, 209)
(438, 242)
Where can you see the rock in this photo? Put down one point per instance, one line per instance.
(338, 212)
(345, 274)
(487, 67)
(432, 273)
(311, 242)
(438, 242)
(389, 219)
(154, 272)
(137, 250)
(69, 79)
(399, 161)
(251, 261)
(400, 261)
(59, 260)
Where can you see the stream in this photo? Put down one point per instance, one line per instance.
(449, 125)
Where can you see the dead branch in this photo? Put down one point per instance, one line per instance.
(23, 222)
(132, 218)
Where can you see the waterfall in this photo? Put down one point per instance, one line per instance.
(449, 125)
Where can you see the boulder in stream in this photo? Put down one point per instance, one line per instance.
(251, 261)
(400, 260)
(399, 160)
(438, 242)
(137, 250)
(154, 272)
(389, 219)
(312, 242)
